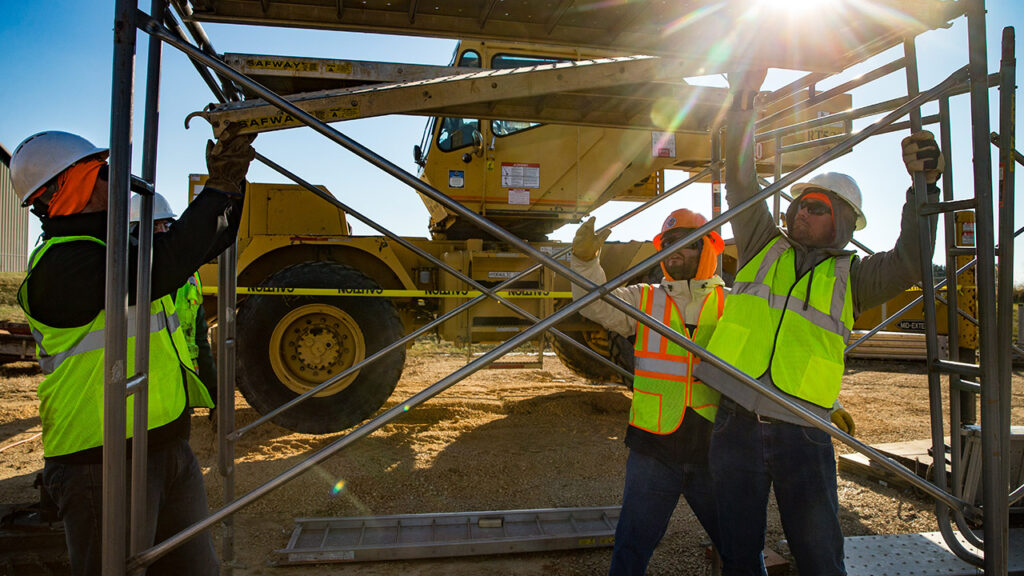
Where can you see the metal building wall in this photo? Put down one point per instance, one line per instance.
(13, 221)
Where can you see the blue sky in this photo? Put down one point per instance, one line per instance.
(56, 74)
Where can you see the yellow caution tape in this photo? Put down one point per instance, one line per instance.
(380, 292)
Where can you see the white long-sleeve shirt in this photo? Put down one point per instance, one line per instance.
(688, 295)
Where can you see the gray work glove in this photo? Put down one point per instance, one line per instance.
(922, 154)
(227, 160)
(744, 85)
(586, 245)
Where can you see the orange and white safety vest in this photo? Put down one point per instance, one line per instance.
(663, 383)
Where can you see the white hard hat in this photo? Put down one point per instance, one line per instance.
(839, 184)
(161, 208)
(44, 155)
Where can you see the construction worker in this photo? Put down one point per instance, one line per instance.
(786, 323)
(671, 414)
(63, 178)
(188, 300)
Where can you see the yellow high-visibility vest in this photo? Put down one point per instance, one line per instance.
(795, 327)
(186, 303)
(71, 394)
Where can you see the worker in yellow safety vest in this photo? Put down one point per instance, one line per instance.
(188, 300)
(63, 178)
(786, 323)
(671, 413)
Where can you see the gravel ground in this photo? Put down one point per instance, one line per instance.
(502, 439)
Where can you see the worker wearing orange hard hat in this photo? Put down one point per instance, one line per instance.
(671, 414)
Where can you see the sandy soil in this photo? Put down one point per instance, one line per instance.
(503, 439)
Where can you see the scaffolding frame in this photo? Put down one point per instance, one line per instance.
(992, 372)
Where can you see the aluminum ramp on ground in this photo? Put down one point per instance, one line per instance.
(408, 536)
(924, 554)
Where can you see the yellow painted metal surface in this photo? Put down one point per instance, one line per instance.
(535, 180)
(821, 36)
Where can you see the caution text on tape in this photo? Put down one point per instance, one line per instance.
(381, 292)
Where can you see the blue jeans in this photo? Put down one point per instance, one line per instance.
(651, 493)
(176, 498)
(746, 458)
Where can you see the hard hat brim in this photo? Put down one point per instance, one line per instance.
(102, 153)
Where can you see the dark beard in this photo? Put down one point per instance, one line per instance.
(681, 271)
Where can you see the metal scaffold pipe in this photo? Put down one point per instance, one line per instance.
(597, 292)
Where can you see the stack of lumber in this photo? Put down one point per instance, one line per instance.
(895, 346)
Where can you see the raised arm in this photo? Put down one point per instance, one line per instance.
(754, 227)
(883, 275)
(586, 247)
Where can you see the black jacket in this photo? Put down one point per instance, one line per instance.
(66, 288)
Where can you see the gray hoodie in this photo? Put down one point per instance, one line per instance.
(874, 279)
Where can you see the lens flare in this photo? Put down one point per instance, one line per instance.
(338, 487)
(691, 18)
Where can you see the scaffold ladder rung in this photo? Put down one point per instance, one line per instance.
(408, 536)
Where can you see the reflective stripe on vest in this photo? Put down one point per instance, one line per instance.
(186, 302)
(95, 339)
(797, 327)
(663, 385)
(71, 395)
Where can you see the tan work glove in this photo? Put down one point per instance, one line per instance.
(587, 245)
(842, 419)
(228, 160)
(922, 154)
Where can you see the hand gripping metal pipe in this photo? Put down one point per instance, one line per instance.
(597, 292)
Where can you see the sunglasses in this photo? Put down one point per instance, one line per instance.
(669, 238)
(815, 207)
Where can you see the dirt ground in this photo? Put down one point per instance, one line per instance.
(502, 439)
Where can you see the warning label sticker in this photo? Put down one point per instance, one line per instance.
(520, 175)
(519, 196)
(456, 179)
(663, 145)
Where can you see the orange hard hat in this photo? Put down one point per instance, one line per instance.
(681, 218)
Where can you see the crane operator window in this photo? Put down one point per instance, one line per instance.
(457, 133)
(505, 61)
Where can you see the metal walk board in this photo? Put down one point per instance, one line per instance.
(924, 554)
(407, 536)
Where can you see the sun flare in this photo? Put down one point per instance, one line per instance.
(796, 6)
